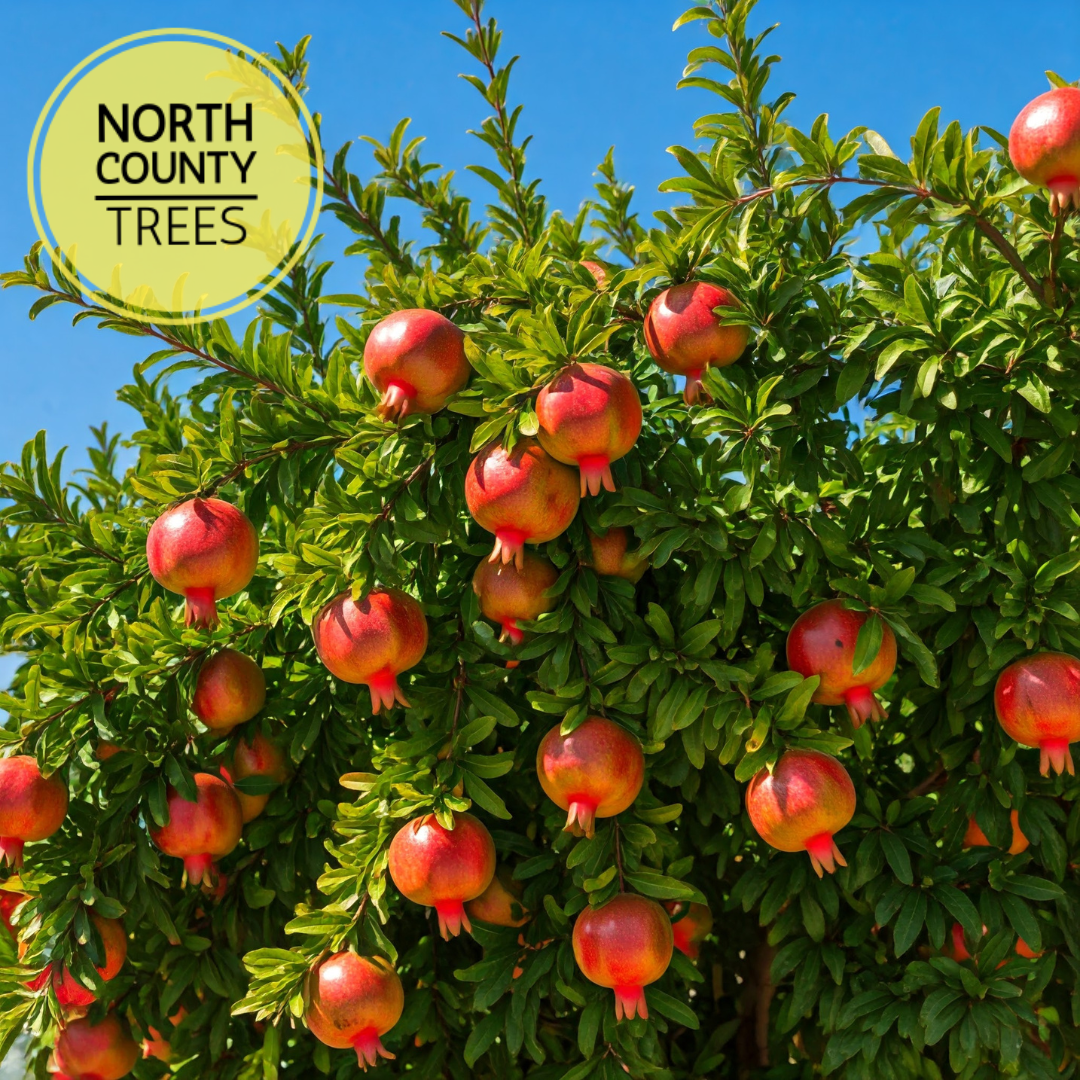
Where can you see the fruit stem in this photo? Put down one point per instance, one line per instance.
(11, 851)
(452, 918)
(595, 470)
(200, 610)
(863, 706)
(385, 691)
(509, 544)
(369, 1048)
(396, 400)
(581, 816)
(824, 854)
(630, 1002)
(1056, 755)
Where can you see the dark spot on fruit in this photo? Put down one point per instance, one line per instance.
(839, 644)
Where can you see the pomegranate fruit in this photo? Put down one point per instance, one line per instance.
(31, 806)
(353, 1001)
(500, 903)
(624, 945)
(443, 868)
(975, 837)
(801, 804)
(416, 359)
(508, 594)
(259, 757)
(372, 641)
(200, 831)
(229, 690)
(72, 994)
(1044, 144)
(9, 901)
(595, 771)
(957, 948)
(1037, 701)
(155, 1045)
(685, 334)
(589, 416)
(94, 1051)
(206, 550)
(523, 497)
(610, 557)
(598, 272)
(822, 642)
(690, 923)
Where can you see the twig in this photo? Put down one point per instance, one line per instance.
(618, 856)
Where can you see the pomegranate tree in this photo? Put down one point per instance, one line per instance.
(416, 359)
(443, 868)
(205, 550)
(523, 496)
(86, 1050)
(508, 595)
(589, 416)
(372, 641)
(595, 771)
(1044, 144)
(201, 831)
(802, 804)
(32, 806)
(625, 945)
(230, 690)
(822, 642)
(352, 1001)
(1037, 701)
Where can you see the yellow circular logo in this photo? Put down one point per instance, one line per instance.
(178, 173)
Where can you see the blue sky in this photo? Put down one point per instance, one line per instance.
(592, 74)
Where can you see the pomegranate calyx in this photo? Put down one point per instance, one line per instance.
(824, 854)
(581, 816)
(11, 851)
(1064, 190)
(1057, 756)
(630, 1002)
(200, 611)
(862, 705)
(693, 389)
(511, 630)
(509, 545)
(595, 472)
(385, 691)
(369, 1048)
(452, 918)
(396, 400)
(200, 870)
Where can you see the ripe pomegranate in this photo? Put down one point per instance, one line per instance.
(957, 949)
(610, 557)
(259, 757)
(595, 771)
(202, 830)
(801, 804)
(442, 868)
(155, 1045)
(685, 334)
(206, 550)
(822, 642)
(690, 923)
(105, 750)
(72, 994)
(975, 837)
(500, 903)
(353, 1001)
(1025, 950)
(229, 690)
(88, 1051)
(1037, 701)
(31, 806)
(9, 901)
(508, 594)
(372, 641)
(589, 416)
(523, 497)
(625, 944)
(416, 359)
(1044, 144)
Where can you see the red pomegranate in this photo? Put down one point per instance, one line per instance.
(88, 1051)
(975, 837)
(416, 359)
(822, 642)
(500, 903)
(31, 806)
(508, 594)
(1037, 701)
(230, 690)
(155, 1045)
(9, 901)
(595, 771)
(523, 497)
(353, 1001)
(443, 868)
(200, 831)
(1044, 144)
(957, 948)
(624, 945)
(610, 557)
(589, 416)
(801, 804)
(206, 550)
(685, 334)
(372, 641)
(259, 757)
(72, 994)
(690, 923)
